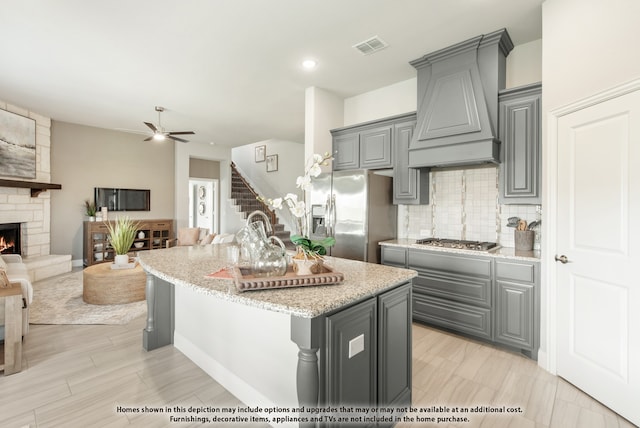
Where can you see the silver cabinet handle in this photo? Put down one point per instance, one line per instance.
(562, 259)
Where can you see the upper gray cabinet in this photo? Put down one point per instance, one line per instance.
(458, 102)
(366, 146)
(520, 128)
(383, 144)
(410, 185)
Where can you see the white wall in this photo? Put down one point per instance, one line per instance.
(275, 184)
(84, 157)
(230, 221)
(383, 102)
(524, 64)
(324, 111)
(588, 46)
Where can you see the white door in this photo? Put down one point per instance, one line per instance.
(598, 217)
(203, 198)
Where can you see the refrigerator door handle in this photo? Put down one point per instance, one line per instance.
(330, 214)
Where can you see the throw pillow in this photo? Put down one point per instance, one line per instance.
(188, 236)
(208, 239)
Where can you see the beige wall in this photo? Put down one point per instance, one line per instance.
(202, 168)
(84, 157)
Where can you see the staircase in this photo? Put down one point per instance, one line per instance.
(245, 199)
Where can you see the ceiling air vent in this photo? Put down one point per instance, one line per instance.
(369, 46)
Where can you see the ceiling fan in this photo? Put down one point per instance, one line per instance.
(160, 134)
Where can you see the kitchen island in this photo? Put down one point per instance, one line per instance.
(304, 347)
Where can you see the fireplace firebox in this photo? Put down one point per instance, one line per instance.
(10, 238)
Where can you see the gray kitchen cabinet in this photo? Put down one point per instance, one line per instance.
(375, 148)
(453, 291)
(368, 145)
(346, 151)
(367, 353)
(520, 133)
(410, 185)
(394, 348)
(491, 298)
(393, 256)
(517, 303)
(351, 355)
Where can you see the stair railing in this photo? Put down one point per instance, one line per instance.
(264, 207)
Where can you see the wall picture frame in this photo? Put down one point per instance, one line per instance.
(272, 163)
(261, 153)
(17, 145)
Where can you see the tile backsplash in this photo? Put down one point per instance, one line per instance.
(464, 205)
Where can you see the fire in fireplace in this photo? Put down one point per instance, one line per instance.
(10, 238)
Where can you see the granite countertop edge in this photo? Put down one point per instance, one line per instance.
(304, 302)
(501, 252)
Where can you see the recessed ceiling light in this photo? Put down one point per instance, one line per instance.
(309, 64)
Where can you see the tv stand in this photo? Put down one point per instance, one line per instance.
(96, 248)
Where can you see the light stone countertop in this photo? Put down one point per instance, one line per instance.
(502, 252)
(188, 267)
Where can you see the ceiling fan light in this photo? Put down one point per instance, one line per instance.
(158, 137)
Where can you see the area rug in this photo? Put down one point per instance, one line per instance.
(58, 300)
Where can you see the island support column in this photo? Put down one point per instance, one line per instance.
(160, 296)
(307, 334)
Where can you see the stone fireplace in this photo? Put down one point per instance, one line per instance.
(32, 213)
(10, 238)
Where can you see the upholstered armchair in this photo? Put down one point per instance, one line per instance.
(191, 236)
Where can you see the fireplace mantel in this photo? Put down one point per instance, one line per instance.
(36, 188)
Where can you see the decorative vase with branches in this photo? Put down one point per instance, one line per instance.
(307, 249)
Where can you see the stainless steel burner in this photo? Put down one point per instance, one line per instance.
(459, 244)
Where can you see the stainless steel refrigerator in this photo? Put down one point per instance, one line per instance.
(356, 207)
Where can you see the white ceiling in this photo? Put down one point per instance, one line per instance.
(227, 69)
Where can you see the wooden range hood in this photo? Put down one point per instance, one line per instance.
(458, 102)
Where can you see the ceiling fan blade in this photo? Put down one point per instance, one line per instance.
(177, 139)
(149, 139)
(152, 126)
(182, 133)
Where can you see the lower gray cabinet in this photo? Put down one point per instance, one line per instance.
(491, 298)
(517, 304)
(368, 353)
(394, 348)
(393, 256)
(351, 355)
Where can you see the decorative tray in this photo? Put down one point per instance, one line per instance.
(247, 282)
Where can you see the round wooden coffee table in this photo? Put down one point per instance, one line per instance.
(102, 285)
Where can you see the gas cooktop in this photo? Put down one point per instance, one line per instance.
(458, 244)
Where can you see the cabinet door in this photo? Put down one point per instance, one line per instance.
(346, 149)
(514, 314)
(394, 347)
(520, 169)
(351, 355)
(375, 148)
(410, 185)
(394, 256)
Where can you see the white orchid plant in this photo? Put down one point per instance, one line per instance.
(307, 248)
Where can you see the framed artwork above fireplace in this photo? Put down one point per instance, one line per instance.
(17, 145)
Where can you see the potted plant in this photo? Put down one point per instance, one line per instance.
(122, 233)
(90, 209)
(308, 258)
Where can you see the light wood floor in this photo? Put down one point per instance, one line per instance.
(75, 376)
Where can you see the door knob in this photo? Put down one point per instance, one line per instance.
(562, 259)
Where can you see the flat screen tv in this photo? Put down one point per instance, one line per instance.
(122, 199)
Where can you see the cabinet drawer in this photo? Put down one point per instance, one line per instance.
(452, 315)
(394, 256)
(471, 290)
(517, 271)
(449, 263)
